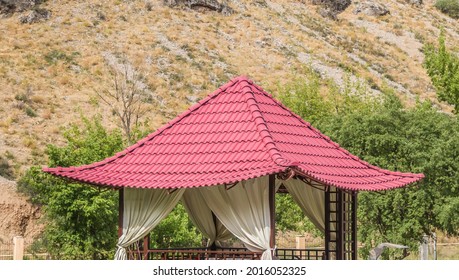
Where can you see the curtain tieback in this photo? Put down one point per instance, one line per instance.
(273, 250)
(121, 253)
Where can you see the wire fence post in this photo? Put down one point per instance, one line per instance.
(18, 250)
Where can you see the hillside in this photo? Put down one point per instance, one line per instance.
(17, 215)
(51, 69)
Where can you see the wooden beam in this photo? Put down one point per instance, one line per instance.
(272, 209)
(120, 212)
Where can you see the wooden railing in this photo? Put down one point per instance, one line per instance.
(301, 254)
(221, 254)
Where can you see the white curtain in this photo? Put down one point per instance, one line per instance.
(201, 216)
(244, 210)
(143, 210)
(310, 200)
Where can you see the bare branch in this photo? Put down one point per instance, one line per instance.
(126, 99)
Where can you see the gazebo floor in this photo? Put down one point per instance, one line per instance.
(222, 254)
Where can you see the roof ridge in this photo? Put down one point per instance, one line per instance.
(262, 128)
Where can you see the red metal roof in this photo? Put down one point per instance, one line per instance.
(237, 133)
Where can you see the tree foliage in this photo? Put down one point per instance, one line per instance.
(289, 217)
(443, 68)
(81, 220)
(449, 7)
(176, 231)
(384, 133)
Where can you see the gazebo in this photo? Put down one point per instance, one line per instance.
(225, 158)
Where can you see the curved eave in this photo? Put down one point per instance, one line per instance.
(399, 180)
(66, 173)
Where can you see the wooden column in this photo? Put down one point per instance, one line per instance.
(120, 212)
(327, 224)
(354, 225)
(272, 210)
(146, 246)
(340, 219)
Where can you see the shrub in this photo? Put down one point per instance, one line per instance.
(30, 112)
(5, 168)
(449, 7)
(443, 68)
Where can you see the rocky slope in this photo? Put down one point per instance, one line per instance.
(17, 216)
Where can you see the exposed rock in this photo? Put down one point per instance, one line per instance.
(370, 8)
(35, 15)
(17, 215)
(417, 3)
(202, 4)
(14, 6)
(331, 8)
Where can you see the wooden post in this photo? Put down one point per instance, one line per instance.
(18, 250)
(327, 225)
(120, 212)
(272, 210)
(146, 246)
(340, 225)
(354, 225)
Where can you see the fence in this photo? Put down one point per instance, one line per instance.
(6, 250)
(18, 249)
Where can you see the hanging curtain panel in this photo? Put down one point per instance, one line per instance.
(311, 200)
(244, 211)
(143, 210)
(201, 216)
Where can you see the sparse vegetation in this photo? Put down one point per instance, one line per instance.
(54, 56)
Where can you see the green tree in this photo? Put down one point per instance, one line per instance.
(443, 68)
(384, 133)
(176, 231)
(80, 220)
(289, 217)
